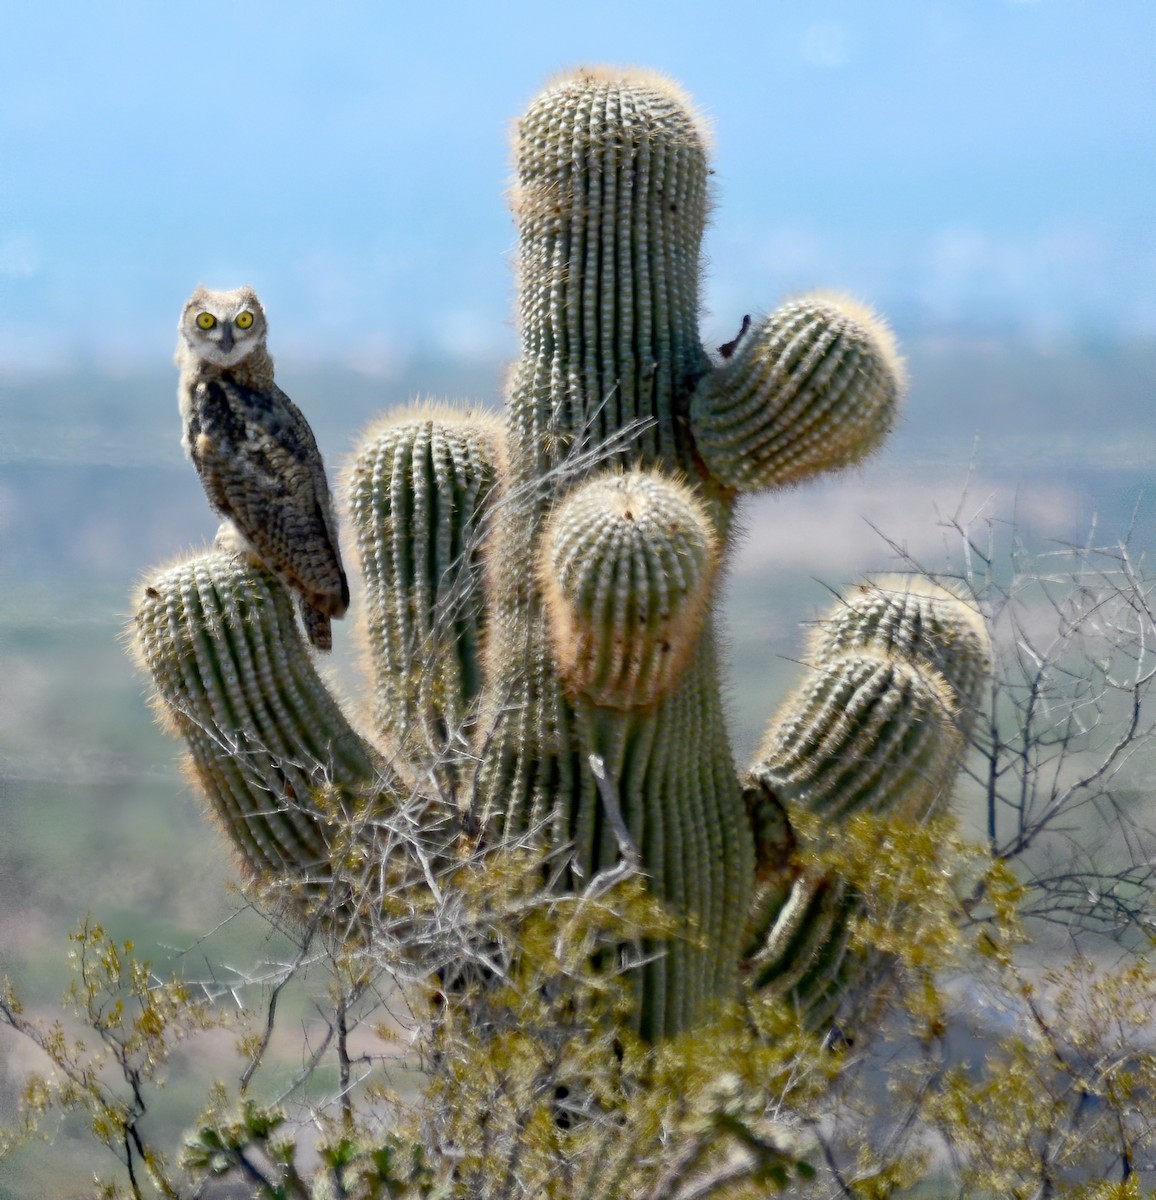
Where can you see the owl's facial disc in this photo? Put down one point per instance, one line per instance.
(223, 327)
(225, 339)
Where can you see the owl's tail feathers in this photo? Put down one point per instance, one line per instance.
(317, 609)
(331, 598)
(318, 628)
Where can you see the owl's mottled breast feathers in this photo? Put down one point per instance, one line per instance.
(256, 455)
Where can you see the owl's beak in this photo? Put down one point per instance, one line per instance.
(226, 340)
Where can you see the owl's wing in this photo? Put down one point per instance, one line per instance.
(260, 467)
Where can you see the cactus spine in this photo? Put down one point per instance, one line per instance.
(539, 605)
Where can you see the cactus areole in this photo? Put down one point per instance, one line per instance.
(539, 600)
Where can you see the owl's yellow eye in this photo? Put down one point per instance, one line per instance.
(206, 320)
(244, 319)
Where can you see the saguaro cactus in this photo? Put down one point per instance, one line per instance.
(540, 603)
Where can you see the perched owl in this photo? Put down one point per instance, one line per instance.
(256, 455)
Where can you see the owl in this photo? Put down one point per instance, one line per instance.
(256, 455)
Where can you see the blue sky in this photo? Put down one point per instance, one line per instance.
(984, 163)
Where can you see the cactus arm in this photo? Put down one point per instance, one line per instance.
(935, 628)
(812, 388)
(626, 566)
(419, 492)
(275, 758)
(610, 199)
(863, 734)
(879, 726)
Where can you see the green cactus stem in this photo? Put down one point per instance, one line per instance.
(625, 570)
(882, 718)
(863, 734)
(540, 608)
(934, 627)
(813, 388)
(878, 724)
(802, 952)
(418, 492)
(610, 198)
(269, 746)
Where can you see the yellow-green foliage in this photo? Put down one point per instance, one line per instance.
(138, 1021)
(537, 1085)
(1075, 1084)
